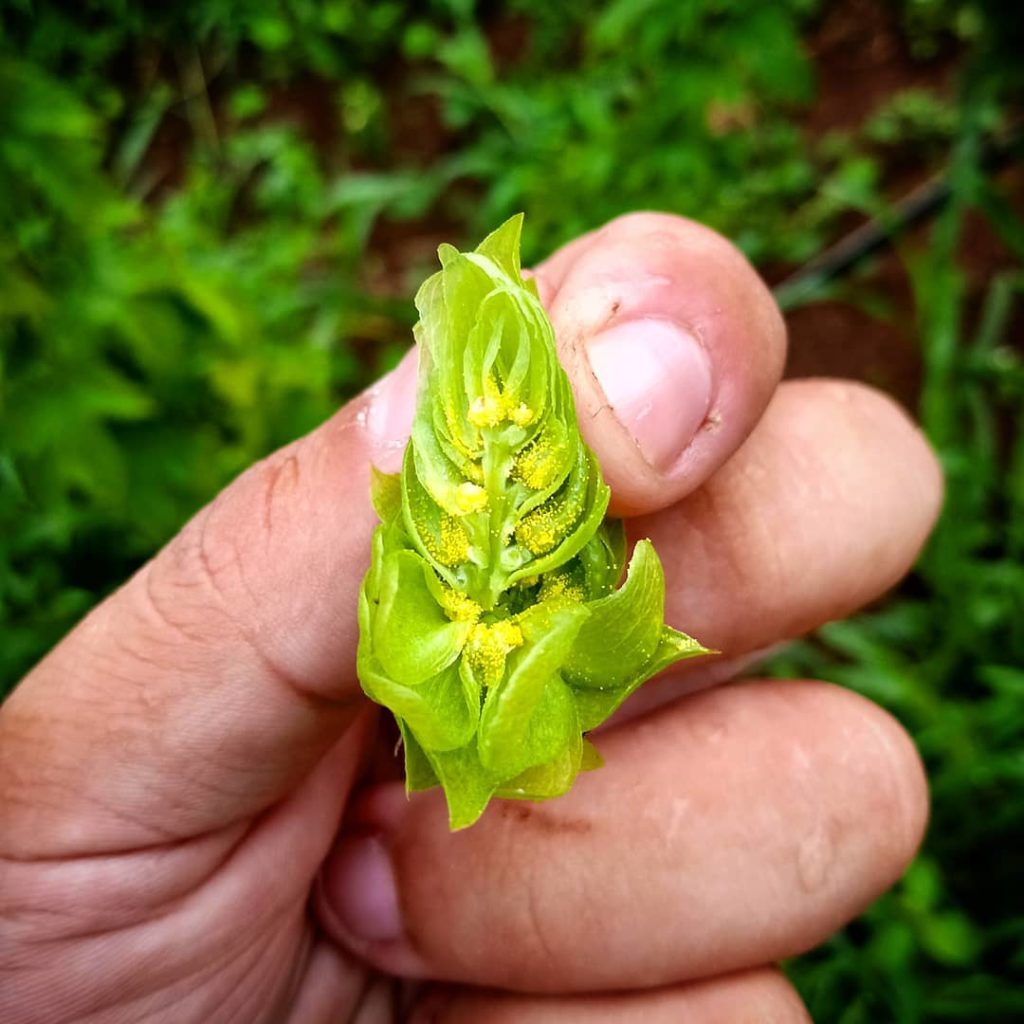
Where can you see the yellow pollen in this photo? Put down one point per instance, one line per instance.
(559, 588)
(485, 412)
(458, 607)
(495, 407)
(488, 647)
(470, 497)
(452, 547)
(521, 415)
(537, 464)
(540, 530)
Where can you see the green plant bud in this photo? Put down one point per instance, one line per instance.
(494, 620)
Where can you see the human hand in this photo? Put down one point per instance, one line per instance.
(188, 827)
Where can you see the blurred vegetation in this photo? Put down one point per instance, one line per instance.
(212, 217)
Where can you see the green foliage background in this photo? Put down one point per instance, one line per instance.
(212, 217)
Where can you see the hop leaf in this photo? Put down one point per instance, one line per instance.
(492, 622)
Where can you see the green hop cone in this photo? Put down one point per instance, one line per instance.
(492, 619)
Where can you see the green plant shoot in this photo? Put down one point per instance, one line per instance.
(492, 619)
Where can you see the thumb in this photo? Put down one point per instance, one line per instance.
(674, 346)
(205, 688)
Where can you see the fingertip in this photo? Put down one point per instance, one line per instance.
(900, 786)
(358, 886)
(359, 899)
(674, 346)
(825, 507)
(880, 413)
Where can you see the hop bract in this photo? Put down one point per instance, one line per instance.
(492, 619)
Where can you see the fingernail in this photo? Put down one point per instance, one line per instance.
(359, 884)
(657, 379)
(389, 413)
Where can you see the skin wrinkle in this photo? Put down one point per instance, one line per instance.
(328, 985)
(17, 792)
(254, 999)
(173, 798)
(155, 908)
(579, 886)
(536, 920)
(533, 925)
(194, 772)
(161, 609)
(214, 572)
(126, 937)
(300, 962)
(321, 457)
(137, 696)
(507, 874)
(514, 874)
(594, 894)
(245, 771)
(215, 560)
(283, 478)
(281, 475)
(160, 1001)
(177, 994)
(74, 997)
(292, 685)
(116, 814)
(126, 940)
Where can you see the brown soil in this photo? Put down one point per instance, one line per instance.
(861, 61)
